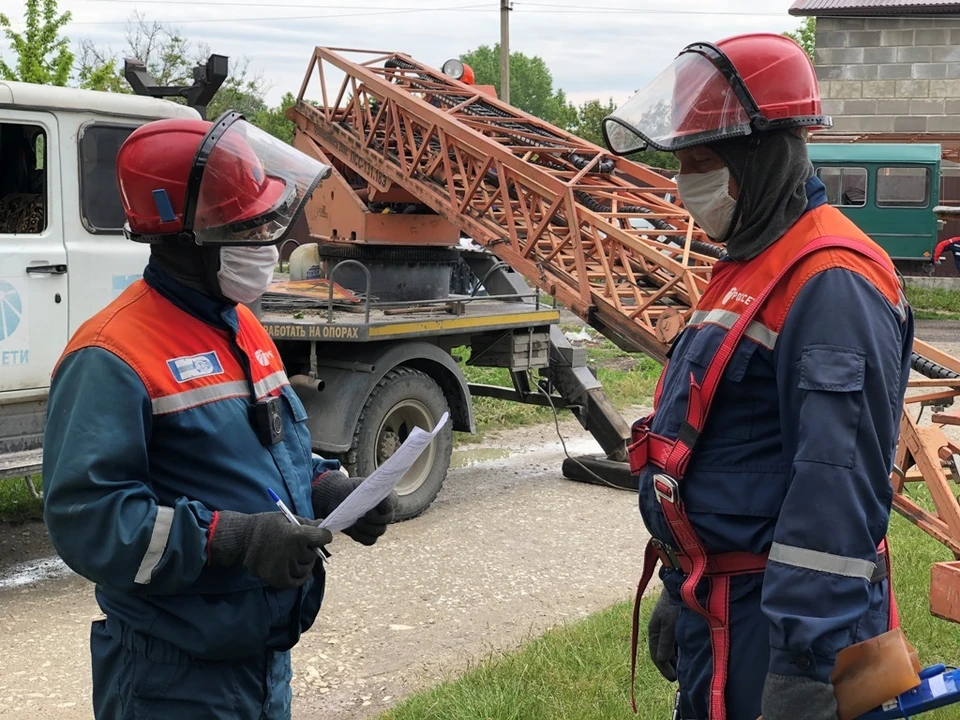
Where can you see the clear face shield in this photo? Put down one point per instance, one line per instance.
(246, 187)
(699, 99)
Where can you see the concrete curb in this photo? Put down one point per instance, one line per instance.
(934, 283)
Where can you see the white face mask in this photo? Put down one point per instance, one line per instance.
(246, 272)
(707, 197)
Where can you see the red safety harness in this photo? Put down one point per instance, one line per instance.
(673, 458)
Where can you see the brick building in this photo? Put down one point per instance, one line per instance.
(888, 65)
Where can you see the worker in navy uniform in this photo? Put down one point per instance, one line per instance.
(170, 418)
(769, 514)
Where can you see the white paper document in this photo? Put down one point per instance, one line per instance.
(382, 480)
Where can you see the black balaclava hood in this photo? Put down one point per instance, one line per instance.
(771, 170)
(192, 265)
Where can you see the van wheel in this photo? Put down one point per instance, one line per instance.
(405, 398)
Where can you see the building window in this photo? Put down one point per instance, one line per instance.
(100, 207)
(903, 187)
(23, 182)
(846, 186)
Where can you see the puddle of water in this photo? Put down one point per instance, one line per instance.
(32, 572)
(469, 458)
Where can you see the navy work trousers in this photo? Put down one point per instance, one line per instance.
(749, 647)
(138, 676)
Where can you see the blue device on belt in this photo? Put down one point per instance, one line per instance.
(938, 688)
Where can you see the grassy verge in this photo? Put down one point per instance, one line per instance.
(934, 303)
(582, 670)
(629, 379)
(17, 505)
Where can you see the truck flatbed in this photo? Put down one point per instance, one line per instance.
(294, 319)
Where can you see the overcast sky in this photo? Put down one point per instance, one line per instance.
(595, 48)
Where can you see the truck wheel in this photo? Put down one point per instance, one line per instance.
(405, 398)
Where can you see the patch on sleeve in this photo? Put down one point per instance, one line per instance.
(195, 366)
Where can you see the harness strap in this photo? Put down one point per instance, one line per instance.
(893, 621)
(673, 458)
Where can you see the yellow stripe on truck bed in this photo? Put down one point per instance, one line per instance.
(423, 326)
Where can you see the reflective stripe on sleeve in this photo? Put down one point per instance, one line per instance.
(200, 396)
(270, 383)
(727, 319)
(158, 543)
(822, 562)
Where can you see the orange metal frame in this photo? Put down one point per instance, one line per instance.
(533, 195)
(560, 211)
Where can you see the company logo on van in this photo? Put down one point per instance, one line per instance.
(11, 309)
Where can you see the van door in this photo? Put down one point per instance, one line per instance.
(96, 246)
(33, 261)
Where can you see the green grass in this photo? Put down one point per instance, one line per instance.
(629, 379)
(934, 303)
(17, 505)
(582, 670)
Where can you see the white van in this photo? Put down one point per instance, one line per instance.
(63, 256)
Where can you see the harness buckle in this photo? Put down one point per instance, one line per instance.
(666, 488)
(668, 556)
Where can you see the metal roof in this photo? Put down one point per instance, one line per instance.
(822, 152)
(874, 8)
(48, 97)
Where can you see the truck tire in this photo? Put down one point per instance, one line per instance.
(403, 399)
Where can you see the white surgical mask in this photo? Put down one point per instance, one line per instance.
(246, 272)
(707, 197)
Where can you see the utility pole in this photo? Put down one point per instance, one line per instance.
(505, 50)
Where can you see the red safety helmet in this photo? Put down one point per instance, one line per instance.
(222, 183)
(740, 85)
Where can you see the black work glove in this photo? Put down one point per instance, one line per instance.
(268, 545)
(788, 697)
(332, 488)
(661, 637)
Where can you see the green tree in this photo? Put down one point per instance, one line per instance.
(588, 126)
(42, 55)
(273, 120)
(531, 84)
(806, 35)
(170, 57)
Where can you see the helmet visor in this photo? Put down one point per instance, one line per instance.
(690, 103)
(252, 187)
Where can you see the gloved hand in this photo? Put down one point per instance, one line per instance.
(268, 545)
(788, 697)
(332, 487)
(661, 638)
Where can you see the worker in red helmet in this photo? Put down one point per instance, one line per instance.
(764, 471)
(953, 246)
(171, 421)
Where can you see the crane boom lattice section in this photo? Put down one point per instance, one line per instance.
(599, 233)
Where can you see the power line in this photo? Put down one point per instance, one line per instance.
(263, 19)
(310, 6)
(553, 7)
(540, 8)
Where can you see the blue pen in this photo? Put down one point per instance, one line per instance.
(321, 552)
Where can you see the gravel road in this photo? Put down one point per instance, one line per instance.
(509, 549)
